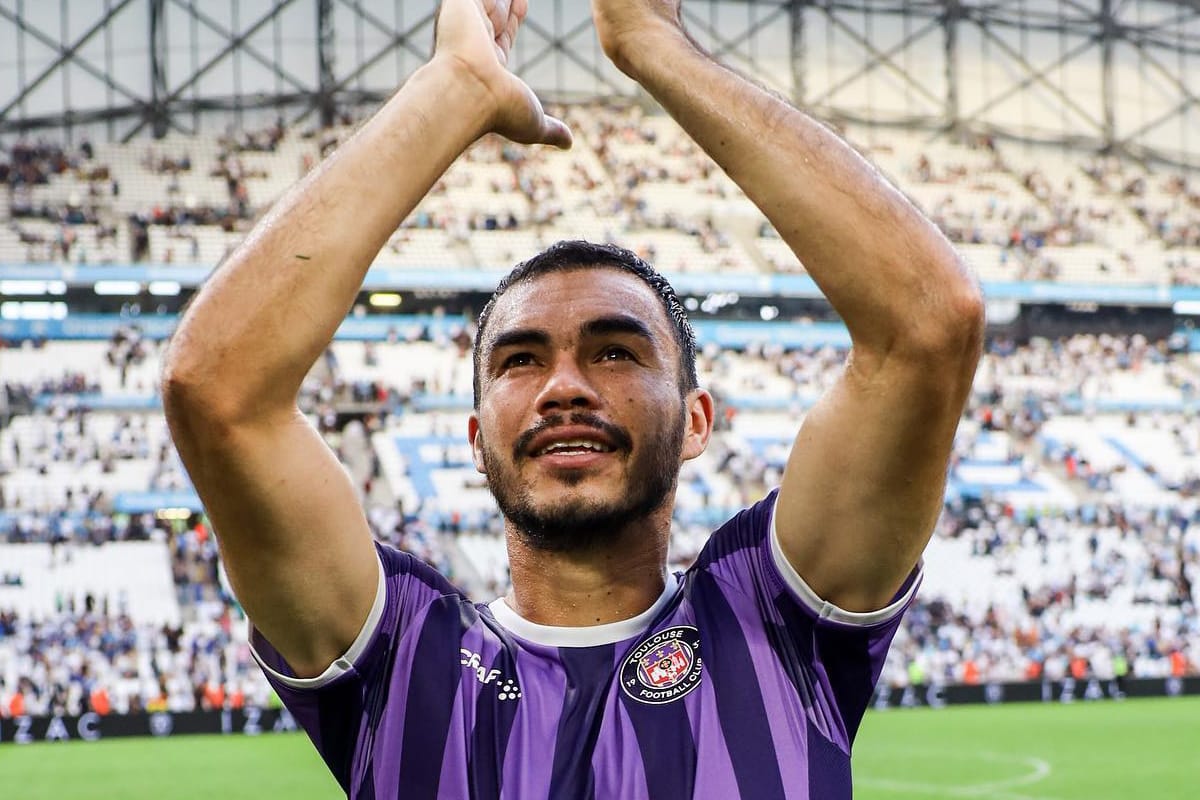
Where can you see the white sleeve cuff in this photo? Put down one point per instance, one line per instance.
(826, 610)
(343, 664)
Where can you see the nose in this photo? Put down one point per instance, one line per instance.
(566, 387)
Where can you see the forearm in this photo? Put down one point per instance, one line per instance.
(887, 270)
(263, 318)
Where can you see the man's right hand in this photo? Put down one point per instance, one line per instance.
(475, 37)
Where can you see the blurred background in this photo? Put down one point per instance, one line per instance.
(1056, 142)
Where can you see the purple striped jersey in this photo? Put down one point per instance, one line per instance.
(739, 682)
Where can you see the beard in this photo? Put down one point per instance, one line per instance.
(576, 522)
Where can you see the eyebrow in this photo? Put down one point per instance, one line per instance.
(519, 337)
(618, 323)
(602, 326)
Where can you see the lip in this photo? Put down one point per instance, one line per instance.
(567, 433)
(573, 461)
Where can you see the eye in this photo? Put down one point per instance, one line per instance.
(517, 360)
(616, 353)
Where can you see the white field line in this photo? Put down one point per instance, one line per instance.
(1038, 770)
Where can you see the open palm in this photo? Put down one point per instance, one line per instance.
(479, 34)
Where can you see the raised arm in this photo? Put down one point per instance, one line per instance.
(294, 539)
(864, 482)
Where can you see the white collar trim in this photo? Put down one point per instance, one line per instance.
(587, 636)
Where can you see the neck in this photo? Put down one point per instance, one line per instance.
(611, 582)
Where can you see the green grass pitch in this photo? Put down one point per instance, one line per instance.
(1146, 748)
(1135, 749)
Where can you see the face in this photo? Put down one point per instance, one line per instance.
(582, 427)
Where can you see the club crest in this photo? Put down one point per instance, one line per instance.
(664, 667)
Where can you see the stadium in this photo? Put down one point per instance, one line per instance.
(1053, 651)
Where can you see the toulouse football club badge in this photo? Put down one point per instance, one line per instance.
(664, 667)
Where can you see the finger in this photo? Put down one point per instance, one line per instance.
(519, 9)
(510, 30)
(498, 13)
(556, 133)
(485, 15)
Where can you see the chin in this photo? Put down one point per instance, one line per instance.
(573, 521)
(577, 491)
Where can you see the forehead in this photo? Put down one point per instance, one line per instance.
(559, 302)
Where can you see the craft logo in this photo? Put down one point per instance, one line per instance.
(508, 688)
(664, 667)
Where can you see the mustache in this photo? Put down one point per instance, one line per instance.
(616, 434)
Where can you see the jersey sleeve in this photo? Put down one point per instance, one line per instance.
(339, 708)
(833, 656)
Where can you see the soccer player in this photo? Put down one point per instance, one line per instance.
(598, 676)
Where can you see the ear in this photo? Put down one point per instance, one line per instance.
(699, 423)
(476, 440)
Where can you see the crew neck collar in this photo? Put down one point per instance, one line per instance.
(583, 636)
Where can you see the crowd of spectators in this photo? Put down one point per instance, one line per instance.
(92, 656)
(1018, 388)
(622, 161)
(1173, 213)
(89, 655)
(28, 165)
(97, 659)
(33, 163)
(1153, 554)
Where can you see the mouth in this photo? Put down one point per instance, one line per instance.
(571, 448)
(583, 443)
(573, 457)
(573, 454)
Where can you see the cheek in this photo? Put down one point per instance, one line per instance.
(498, 413)
(653, 411)
(499, 428)
(516, 394)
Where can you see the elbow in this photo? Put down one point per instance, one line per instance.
(179, 388)
(966, 320)
(185, 392)
(948, 332)
(177, 378)
(208, 393)
(194, 396)
(183, 408)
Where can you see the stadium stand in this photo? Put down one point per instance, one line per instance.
(1067, 537)
(1020, 212)
(1068, 545)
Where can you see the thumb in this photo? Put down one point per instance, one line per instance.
(556, 133)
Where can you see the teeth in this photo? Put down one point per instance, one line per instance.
(575, 444)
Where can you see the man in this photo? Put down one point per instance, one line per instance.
(598, 676)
